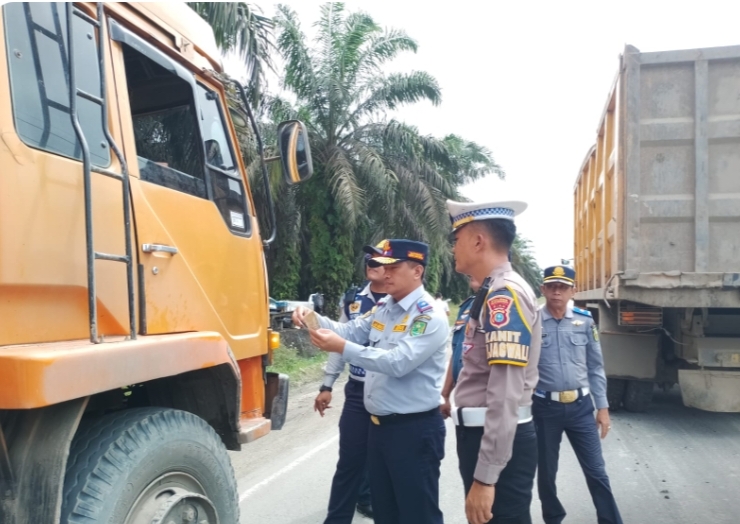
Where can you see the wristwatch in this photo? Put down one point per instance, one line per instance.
(325, 388)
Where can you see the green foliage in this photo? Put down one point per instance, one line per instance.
(374, 178)
(300, 369)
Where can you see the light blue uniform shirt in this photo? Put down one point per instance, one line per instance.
(406, 357)
(571, 357)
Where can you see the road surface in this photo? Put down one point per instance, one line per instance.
(673, 465)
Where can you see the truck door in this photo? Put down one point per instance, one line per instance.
(200, 252)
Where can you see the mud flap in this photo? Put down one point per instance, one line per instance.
(276, 399)
(710, 390)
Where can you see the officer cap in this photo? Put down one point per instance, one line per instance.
(562, 274)
(397, 250)
(462, 213)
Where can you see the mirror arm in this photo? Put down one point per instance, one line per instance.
(265, 177)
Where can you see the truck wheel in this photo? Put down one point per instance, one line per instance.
(615, 392)
(638, 395)
(149, 465)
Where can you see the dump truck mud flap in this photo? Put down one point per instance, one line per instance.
(276, 399)
(710, 390)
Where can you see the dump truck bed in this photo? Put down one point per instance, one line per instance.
(657, 200)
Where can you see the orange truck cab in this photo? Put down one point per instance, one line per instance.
(134, 320)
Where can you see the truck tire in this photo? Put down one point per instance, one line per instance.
(615, 392)
(638, 395)
(148, 465)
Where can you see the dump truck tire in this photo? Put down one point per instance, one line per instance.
(615, 392)
(149, 465)
(638, 395)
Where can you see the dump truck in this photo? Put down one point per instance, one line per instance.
(657, 228)
(134, 316)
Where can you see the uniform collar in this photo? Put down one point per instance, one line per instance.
(410, 299)
(366, 291)
(503, 268)
(547, 316)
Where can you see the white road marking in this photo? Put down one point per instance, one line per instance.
(300, 460)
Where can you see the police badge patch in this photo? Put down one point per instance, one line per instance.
(355, 307)
(499, 308)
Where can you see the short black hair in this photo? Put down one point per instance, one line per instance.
(438, 295)
(414, 263)
(501, 230)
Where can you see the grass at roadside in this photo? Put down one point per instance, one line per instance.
(454, 310)
(300, 369)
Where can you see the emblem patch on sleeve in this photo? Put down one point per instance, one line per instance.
(510, 346)
(419, 325)
(499, 308)
(354, 307)
(595, 332)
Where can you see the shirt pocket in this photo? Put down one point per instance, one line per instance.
(374, 337)
(578, 342)
(549, 348)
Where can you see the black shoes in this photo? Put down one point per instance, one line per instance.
(365, 511)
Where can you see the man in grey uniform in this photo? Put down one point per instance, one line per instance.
(572, 381)
(496, 441)
(405, 364)
(350, 486)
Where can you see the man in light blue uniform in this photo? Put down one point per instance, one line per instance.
(405, 363)
(350, 486)
(572, 381)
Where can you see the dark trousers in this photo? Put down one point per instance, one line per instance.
(350, 485)
(514, 487)
(404, 458)
(576, 419)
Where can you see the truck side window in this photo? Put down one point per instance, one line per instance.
(165, 126)
(37, 49)
(227, 187)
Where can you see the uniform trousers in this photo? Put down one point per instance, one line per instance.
(404, 455)
(576, 419)
(513, 494)
(350, 485)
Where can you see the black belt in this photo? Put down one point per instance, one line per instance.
(380, 420)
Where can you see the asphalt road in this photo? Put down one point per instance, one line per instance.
(673, 465)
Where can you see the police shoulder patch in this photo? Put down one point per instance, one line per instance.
(419, 325)
(584, 312)
(508, 333)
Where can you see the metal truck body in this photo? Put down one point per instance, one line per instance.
(657, 227)
(133, 291)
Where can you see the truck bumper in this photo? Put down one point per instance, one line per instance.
(710, 390)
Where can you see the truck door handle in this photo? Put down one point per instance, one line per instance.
(159, 248)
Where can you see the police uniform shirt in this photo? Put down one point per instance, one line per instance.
(500, 355)
(458, 336)
(405, 360)
(364, 301)
(571, 355)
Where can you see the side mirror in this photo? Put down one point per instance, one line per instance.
(295, 152)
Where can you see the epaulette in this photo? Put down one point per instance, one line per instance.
(423, 306)
(584, 312)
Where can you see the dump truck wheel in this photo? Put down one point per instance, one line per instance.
(149, 465)
(615, 392)
(638, 395)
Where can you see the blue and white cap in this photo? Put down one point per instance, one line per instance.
(462, 213)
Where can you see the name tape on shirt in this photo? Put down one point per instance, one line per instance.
(419, 325)
(401, 327)
(510, 346)
(378, 325)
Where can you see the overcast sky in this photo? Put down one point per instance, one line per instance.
(529, 81)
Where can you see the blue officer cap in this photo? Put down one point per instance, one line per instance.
(462, 213)
(397, 250)
(562, 274)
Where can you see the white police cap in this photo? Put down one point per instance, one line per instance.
(462, 213)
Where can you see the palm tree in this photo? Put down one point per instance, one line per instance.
(374, 178)
(238, 27)
(524, 263)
